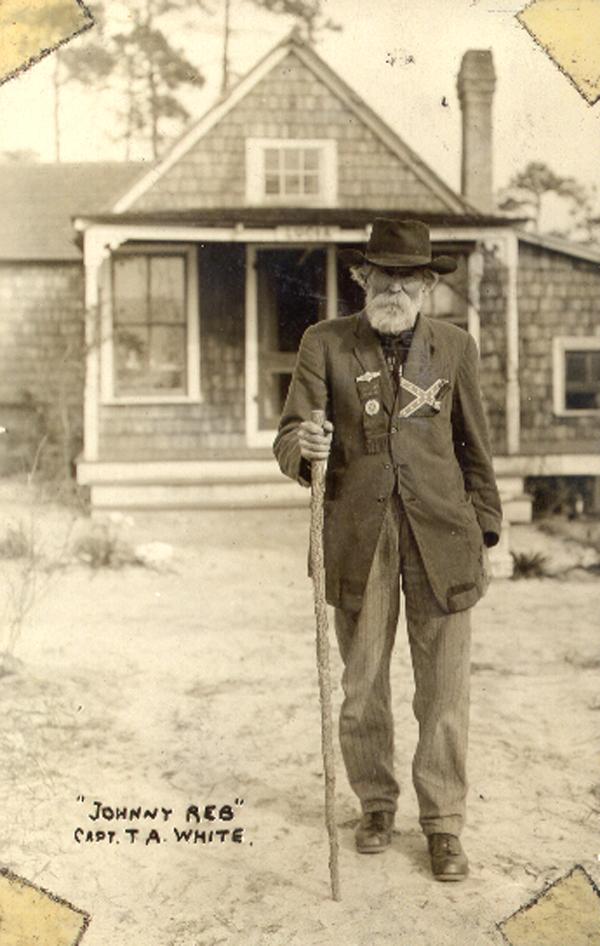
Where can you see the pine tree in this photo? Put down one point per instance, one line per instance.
(141, 62)
(307, 15)
(138, 58)
(528, 188)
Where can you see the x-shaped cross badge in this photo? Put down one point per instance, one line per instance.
(422, 396)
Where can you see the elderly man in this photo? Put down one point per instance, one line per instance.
(410, 496)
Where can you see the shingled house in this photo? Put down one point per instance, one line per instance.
(42, 298)
(201, 277)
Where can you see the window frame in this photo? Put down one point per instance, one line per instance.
(256, 173)
(561, 346)
(108, 361)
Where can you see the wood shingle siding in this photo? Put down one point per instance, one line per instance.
(41, 317)
(558, 296)
(41, 356)
(298, 105)
(493, 349)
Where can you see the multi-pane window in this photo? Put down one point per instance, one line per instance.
(291, 171)
(582, 380)
(149, 324)
(576, 380)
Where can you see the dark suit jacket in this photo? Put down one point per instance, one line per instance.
(437, 457)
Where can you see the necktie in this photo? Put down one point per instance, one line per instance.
(395, 350)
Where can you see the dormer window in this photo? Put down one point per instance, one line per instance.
(291, 172)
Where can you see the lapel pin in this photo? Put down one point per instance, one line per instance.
(369, 376)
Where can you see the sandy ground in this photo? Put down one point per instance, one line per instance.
(197, 686)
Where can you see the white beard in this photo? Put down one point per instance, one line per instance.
(391, 314)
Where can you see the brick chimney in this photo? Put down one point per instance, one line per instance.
(476, 83)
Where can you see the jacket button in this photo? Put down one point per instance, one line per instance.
(381, 499)
(394, 430)
(387, 466)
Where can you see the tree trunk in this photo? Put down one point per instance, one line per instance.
(56, 105)
(226, 37)
(130, 108)
(153, 112)
(538, 212)
(152, 90)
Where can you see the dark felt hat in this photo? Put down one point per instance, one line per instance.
(403, 244)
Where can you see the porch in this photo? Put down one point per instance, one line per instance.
(192, 330)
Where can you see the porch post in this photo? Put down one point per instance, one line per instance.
(251, 347)
(474, 276)
(513, 394)
(93, 254)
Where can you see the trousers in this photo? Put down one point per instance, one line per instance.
(440, 652)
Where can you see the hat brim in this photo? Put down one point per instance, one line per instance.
(439, 264)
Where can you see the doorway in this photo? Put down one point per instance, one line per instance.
(287, 291)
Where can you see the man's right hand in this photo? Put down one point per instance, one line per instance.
(315, 441)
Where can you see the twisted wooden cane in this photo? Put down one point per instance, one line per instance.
(318, 577)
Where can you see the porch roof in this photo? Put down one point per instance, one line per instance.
(269, 217)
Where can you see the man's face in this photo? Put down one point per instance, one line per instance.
(394, 296)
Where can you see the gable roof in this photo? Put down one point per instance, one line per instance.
(38, 202)
(560, 245)
(452, 201)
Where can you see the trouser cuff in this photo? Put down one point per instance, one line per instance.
(378, 806)
(450, 825)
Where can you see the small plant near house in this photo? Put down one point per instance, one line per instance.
(559, 495)
(29, 568)
(104, 546)
(529, 565)
(17, 541)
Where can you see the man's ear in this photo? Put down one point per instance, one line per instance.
(360, 274)
(430, 280)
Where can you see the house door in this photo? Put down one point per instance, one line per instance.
(287, 292)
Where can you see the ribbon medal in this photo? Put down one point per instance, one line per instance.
(373, 420)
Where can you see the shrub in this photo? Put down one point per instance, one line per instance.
(559, 495)
(103, 546)
(529, 565)
(16, 542)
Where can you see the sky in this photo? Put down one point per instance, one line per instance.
(401, 56)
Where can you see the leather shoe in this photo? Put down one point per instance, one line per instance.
(374, 832)
(448, 860)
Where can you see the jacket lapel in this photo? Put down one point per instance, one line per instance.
(370, 357)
